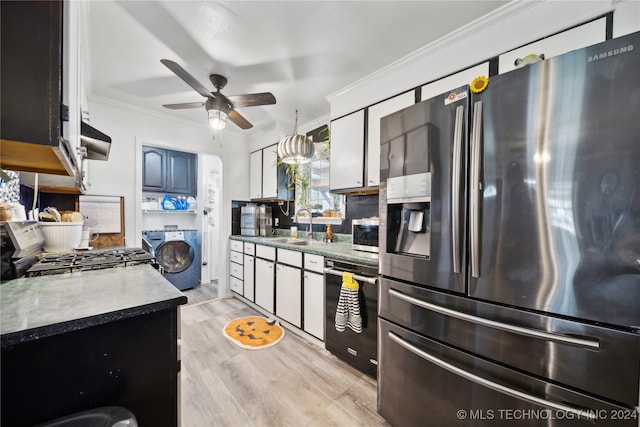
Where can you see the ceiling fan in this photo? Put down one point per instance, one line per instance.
(218, 106)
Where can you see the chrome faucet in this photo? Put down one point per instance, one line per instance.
(295, 219)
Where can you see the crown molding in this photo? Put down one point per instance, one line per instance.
(489, 20)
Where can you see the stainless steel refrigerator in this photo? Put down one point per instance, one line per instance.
(510, 248)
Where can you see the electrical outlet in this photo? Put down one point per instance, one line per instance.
(277, 222)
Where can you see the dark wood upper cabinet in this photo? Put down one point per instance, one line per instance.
(31, 66)
(168, 171)
(154, 169)
(181, 172)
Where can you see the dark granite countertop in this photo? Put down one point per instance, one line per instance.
(37, 307)
(341, 251)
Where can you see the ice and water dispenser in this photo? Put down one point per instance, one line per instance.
(405, 169)
(408, 215)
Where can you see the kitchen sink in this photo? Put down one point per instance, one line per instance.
(306, 242)
(297, 242)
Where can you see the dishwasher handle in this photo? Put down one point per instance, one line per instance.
(366, 279)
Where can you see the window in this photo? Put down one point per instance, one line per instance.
(312, 186)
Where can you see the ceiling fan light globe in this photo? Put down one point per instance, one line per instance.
(217, 119)
(296, 149)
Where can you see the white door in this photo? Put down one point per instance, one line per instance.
(566, 41)
(314, 304)
(264, 281)
(375, 113)
(208, 207)
(347, 152)
(255, 175)
(270, 172)
(289, 294)
(249, 275)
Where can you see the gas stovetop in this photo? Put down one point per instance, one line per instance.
(89, 260)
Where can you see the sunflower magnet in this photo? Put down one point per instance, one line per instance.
(479, 84)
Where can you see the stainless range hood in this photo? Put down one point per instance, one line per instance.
(97, 143)
(96, 147)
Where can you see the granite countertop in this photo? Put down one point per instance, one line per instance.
(341, 251)
(37, 307)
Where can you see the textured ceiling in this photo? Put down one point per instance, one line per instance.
(300, 51)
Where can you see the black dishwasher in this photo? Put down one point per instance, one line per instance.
(359, 349)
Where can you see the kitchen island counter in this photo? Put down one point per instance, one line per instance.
(37, 307)
(76, 341)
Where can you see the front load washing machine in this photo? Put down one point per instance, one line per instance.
(178, 252)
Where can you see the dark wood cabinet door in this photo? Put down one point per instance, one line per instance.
(181, 173)
(154, 169)
(31, 38)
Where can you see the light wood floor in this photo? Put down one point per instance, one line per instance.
(294, 383)
(201, 293)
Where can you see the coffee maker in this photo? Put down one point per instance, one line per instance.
(249, 220)
(265, 221)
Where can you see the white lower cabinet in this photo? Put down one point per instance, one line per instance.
(264, 284)
(289, 294)
(249, 276)
(284, 282)
(236, 271)
(313, 305)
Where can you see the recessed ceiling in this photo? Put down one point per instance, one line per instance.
(301, 51)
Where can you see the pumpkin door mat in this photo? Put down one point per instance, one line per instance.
(253, 332)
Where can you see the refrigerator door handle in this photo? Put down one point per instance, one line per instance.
(528, 332)
(474, 226)
(579, 412)
(455, 189)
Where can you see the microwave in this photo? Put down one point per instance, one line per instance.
(364, 234)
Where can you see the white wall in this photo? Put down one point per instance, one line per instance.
(515, 24)
(130, 128)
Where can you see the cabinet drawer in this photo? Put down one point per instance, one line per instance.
(235, 284)
(285, 256)
(236, 257)
(236, 246)
(314, 263)
(249, 248)
(236, 270)
(266, 252)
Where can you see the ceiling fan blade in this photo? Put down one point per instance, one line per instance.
(186, 77)
(240, 121)
(252, 99)
(184, 105)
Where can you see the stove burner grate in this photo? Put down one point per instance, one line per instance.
(95, 260)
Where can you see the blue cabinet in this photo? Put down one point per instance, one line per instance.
(168, 171)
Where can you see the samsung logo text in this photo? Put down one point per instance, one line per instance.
(610, 53)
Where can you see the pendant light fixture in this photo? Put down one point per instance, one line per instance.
(296, 148)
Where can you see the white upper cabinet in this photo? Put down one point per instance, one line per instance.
(267, 179)
(72, 57)
(347, 152)
(375, 113)
(255, 175)
(453, 81)
(575, 38)
(270, 172)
